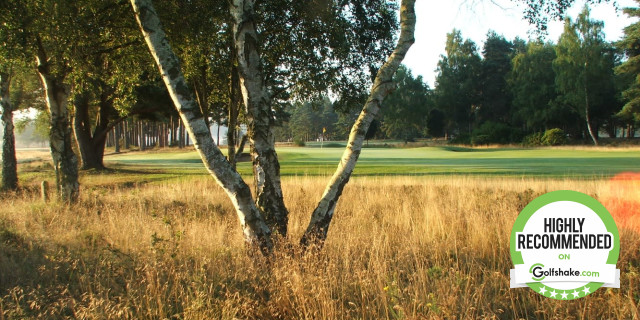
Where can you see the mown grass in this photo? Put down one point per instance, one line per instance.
(434, 247)
(539, 162)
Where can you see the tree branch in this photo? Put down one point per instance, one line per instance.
(318, 227)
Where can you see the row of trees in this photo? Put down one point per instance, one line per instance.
(507, 91)
(408, 113)
(519, 87)
(95, 72)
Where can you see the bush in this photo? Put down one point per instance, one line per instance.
(532, 140)
(480, 139)
(554, 137)
(551, 137)
(299, 142)
(495, 132)
(463, 138)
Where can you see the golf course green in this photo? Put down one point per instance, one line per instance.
(314, 161)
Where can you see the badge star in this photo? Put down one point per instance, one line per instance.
(553, 294)
(586, 290)
(543, 290)
(564, 295)
(576, 294)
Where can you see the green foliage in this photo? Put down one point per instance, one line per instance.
(480, 139)
(344, 124)
(298, 142)
(495, 132)
(311, 120)
(551, 137)
(305, 122)
(532, 84)
(554, 137)
(436, 123)
(496, 65)
(538, 12)
(463, 138)
(457, 85)
(533, 140)
(584, 71)
(630, 44)
(404, 112)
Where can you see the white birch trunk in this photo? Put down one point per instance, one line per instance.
(255, 229)
(65, 160)
(594, 137)
(266, 167)
(383, 85)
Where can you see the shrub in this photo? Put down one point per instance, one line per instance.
(299, 142)
(551, 137)
(554, 137)
(495, 132)
(463, 138)
(534, 139)
(480, 139)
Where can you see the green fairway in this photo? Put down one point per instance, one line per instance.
(547, 162)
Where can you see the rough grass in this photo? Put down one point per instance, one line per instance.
(399, 247)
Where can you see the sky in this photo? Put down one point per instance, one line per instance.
(475, 18)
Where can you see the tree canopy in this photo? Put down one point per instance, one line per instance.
(630, 45)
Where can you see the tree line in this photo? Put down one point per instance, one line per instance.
(581, 87)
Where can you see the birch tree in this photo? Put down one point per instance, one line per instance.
(267, 214)
(43, 38)
(65, 161)
(584, 71)
(255, 228)
(269, 205)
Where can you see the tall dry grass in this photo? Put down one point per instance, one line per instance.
(434, 248)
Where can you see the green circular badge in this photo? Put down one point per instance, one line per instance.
(565, 245)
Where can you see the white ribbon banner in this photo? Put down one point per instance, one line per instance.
(607, 274)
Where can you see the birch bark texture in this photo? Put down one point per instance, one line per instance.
(65, 161)
(258, 229)
(255, 229)
(9, 161)
(266, 167)
(383, 85)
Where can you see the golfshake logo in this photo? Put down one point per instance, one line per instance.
(565, 245)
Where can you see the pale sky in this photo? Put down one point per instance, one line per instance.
(437, 18)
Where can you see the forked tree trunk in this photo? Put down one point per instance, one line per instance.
(266, 167)
(9, 162)
(255, 229)
(65, 161)
(383, 85)
(91, 143)
(256, 100)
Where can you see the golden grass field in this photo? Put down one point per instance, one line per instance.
(398, 248)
